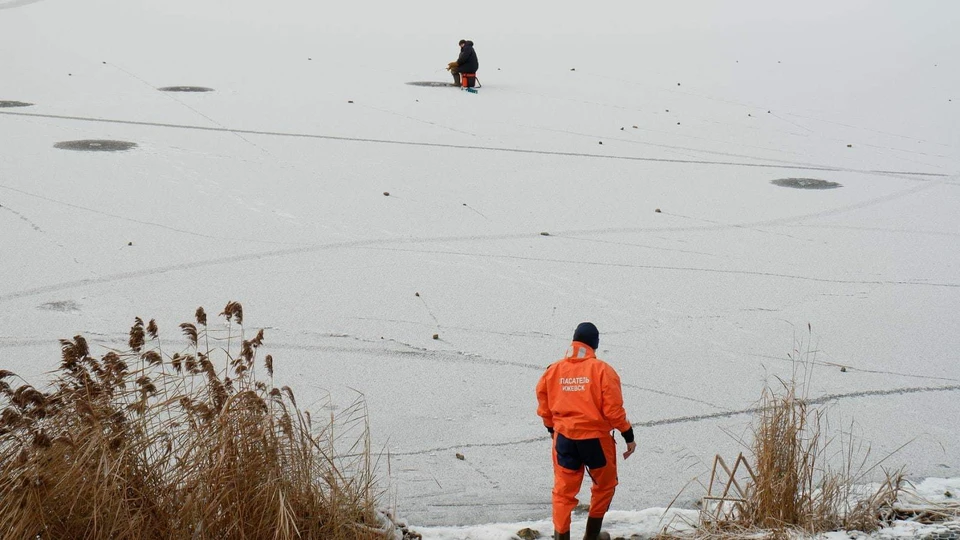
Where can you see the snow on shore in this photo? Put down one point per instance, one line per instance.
(650, 522)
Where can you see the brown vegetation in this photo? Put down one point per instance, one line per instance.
(802, 481)
(140, 445)
(804, 475)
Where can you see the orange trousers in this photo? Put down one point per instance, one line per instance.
(570, 458)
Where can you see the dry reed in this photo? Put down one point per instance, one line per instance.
(138, 445)
(806, 475)
(808, 478)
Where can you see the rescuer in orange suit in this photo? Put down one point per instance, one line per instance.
(581, 403)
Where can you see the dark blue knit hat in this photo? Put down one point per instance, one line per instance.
(587, 333)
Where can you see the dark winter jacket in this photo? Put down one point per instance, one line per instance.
(467, 62)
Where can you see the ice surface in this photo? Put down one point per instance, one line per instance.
(270, 191)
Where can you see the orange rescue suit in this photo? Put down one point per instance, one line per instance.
(580, 401)
(580, 396)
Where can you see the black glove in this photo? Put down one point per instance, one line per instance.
(550, 430)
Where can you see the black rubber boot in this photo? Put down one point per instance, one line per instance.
(593, 528)
(456, 77)
(561, 536)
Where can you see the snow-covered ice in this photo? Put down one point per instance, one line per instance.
(270, 190)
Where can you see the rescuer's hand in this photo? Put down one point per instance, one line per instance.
(631, 448)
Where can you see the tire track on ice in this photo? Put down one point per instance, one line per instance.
(849, 366)
(700, 417)
(22, 217)
(825, 168)
(673, 268)
(464, 238)
(459, 357)
(779, 221)
(135, 274)
(571, 234)
(876, 229)
(140, 221)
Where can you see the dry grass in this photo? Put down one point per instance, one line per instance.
(806, 475)
(807, 479)
(139, 445)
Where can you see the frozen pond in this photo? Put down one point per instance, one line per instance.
(641, 140)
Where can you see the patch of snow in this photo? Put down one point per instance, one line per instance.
(646, 523)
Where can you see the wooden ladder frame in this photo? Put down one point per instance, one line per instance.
(730, 503)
